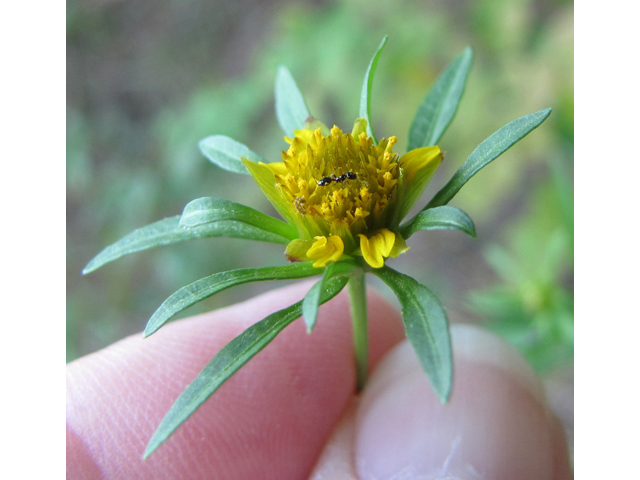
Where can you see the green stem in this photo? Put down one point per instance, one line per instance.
(358, 297)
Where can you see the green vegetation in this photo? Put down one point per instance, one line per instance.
(135, 119)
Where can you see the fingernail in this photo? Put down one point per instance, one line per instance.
(495, 425)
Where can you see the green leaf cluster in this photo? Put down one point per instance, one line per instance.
(425, 320)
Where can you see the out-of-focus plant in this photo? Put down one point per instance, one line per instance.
(343, 198)
(532, 307)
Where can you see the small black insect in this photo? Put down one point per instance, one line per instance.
(332, 178)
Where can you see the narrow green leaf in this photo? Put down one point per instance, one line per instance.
(427, 328)
(311, 301)
(490, 149)
(365, 96)
(228, 361)
(226, 153)
(208, 286)
(168, 231)
(441, 103)
(291, 108)
(210, 209)
(439, 218)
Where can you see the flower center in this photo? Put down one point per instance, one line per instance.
(341, 180)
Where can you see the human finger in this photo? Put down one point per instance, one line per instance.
(496, 424)
(270, 420)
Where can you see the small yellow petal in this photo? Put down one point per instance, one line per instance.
(377, 247)
(419, 158)
(305, 134)
(277, 168)
(325, 250)
(419, 166)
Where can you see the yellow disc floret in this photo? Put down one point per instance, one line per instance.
(344, 194)
(340, 180)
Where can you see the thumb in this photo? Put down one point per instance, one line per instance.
(496, 424)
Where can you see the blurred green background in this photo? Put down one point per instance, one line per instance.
(146, 80)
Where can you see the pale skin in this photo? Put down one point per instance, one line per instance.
(292, 412)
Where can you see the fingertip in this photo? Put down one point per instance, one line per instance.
(495, 425)
(282, 404)
(336, 459)
(561, 460)
(80, 464)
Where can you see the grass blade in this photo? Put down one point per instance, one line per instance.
(228, 361)
(199, 290)
(439, 107)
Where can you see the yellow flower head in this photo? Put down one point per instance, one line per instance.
(344, 194)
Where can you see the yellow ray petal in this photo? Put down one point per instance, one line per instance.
(325, 250)
(419, 166)
(378, 246)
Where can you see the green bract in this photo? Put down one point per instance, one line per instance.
(342, 218)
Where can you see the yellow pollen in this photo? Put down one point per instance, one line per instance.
(339, 179)
(343, 194)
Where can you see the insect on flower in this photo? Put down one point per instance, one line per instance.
(362, 218)
(332, 178)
